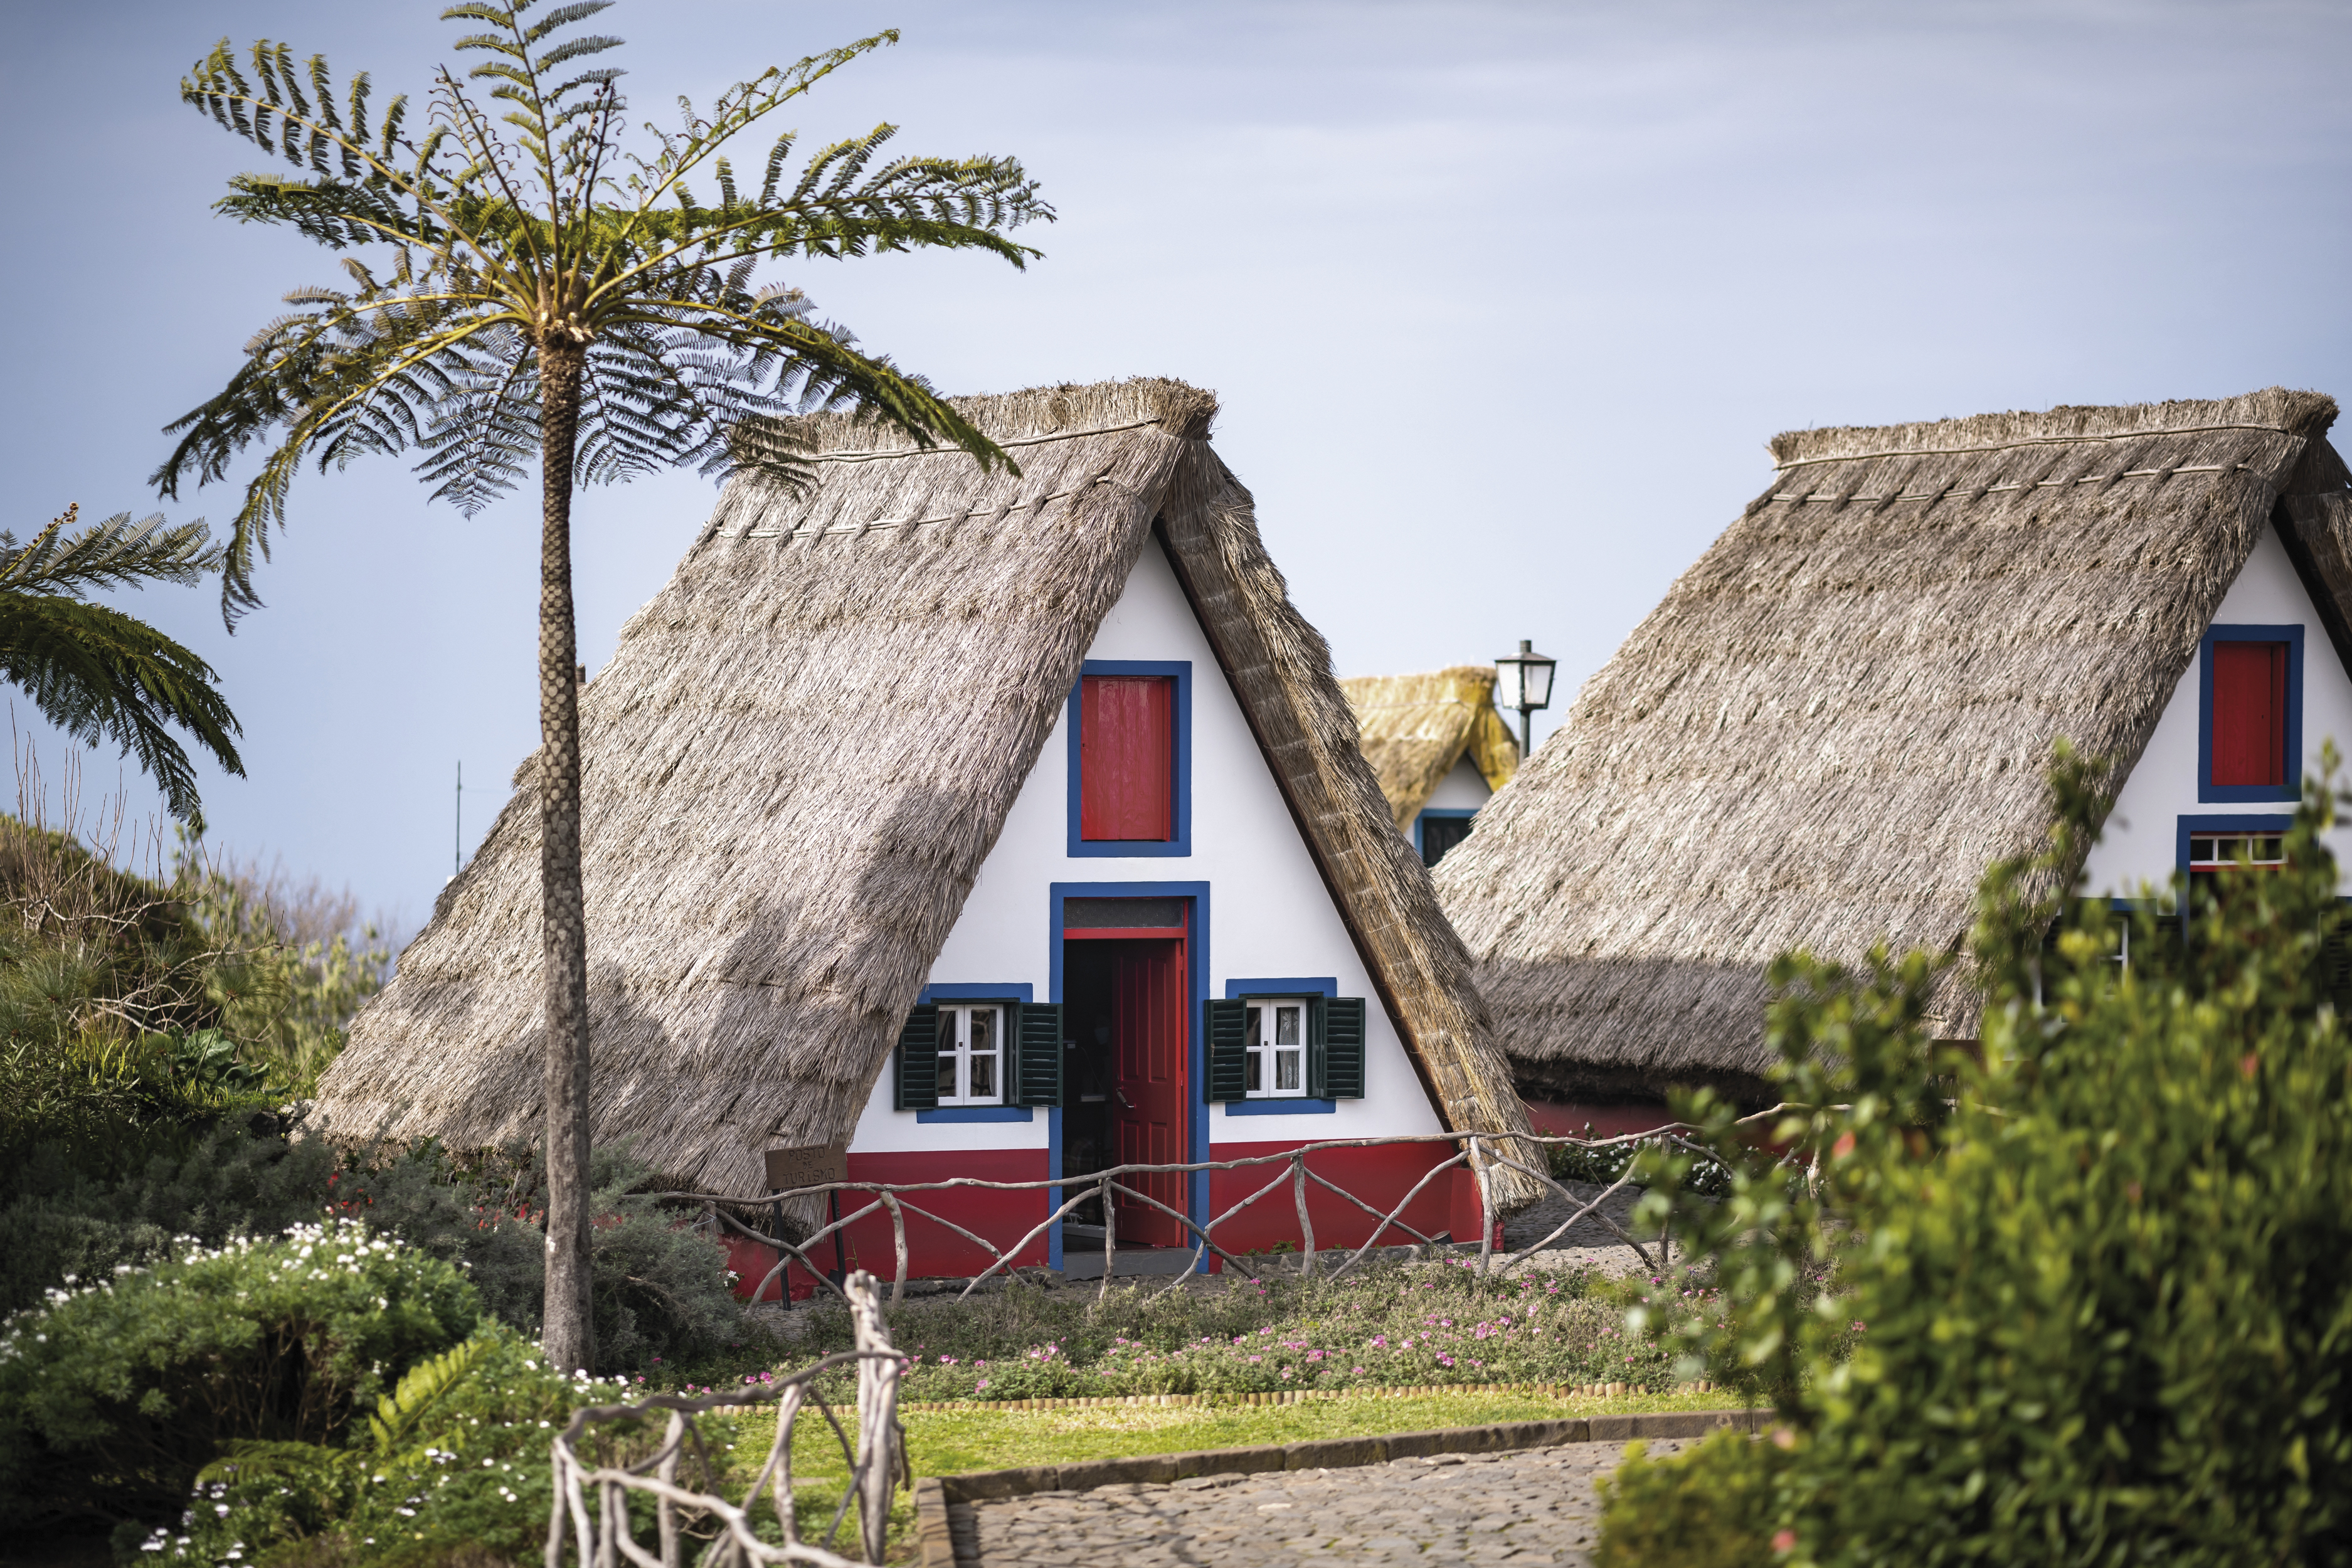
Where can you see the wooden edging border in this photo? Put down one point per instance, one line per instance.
(935, 1548)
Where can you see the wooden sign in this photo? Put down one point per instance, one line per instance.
(790, 1168)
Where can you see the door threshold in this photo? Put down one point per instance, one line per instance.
(1125, 1262)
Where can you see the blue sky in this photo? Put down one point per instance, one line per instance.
(1501, 303)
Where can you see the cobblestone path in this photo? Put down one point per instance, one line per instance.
(1533, 1506)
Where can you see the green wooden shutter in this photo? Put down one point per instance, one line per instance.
(917, 1068)
(2336, 965)
(1228, 1030)
(1335, 1048)
(1035, 1078)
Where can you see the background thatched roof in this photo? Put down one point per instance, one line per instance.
(1415, 728)
(802, 751)
(1841, 714)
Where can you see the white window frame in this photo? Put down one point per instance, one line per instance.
(955, 1045)
(2264, 846)
(1260, 1057)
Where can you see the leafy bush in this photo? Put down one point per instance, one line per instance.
(1602, 1165)
(452, 1460)
(2096, 1287)
(1384, 1326)
(116, 1392)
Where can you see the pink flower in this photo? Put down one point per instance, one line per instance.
(1356, 1370)
(1286, 1374)
(1784, 1540)
(1256, 1358)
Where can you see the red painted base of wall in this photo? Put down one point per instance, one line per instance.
(1556, 1120)
(932, 1251)
(1380, 1176)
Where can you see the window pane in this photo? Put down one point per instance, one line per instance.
(1135, 914)
(1285, 1025)
(1256, 1035)
(1251, 1079)
(948, 1073)
(1286, 1069)
(983, 1075)
(983, 1029)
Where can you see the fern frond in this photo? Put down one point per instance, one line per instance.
(398, 1414)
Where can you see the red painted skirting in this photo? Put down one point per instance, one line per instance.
(1381, 1177)
(931, 1251)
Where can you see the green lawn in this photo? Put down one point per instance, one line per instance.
(976, 1437)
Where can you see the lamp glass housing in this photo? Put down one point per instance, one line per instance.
(1522, 679)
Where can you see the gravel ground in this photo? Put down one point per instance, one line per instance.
(1530, 1507)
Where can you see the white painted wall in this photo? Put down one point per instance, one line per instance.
(2141, 836)
(1463, 789)
(1268, 912)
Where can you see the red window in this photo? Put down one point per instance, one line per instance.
(1127, 757)
(2249, 713)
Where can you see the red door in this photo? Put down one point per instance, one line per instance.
(1147, 1118)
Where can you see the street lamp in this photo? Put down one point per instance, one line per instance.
(1523, 681)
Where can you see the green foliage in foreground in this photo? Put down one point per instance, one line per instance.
(453, 1458)
(1384, 1325)
(117, 1391)
(2101, 1279)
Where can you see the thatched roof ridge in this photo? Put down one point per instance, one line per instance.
(1415, 728)
(782, 823)
(1841, 714)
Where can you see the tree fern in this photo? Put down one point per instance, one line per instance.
(522, 286)
(104, 675)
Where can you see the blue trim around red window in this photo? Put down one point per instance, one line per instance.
(1196, 959)
(2292, 789)
(1180, 842)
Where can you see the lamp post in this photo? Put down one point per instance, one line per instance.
(1523, 681)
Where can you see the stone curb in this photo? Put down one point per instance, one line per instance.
(935, 1547)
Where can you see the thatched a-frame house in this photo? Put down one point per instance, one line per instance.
(945, 816)
(1438, 747)
(1842, 713)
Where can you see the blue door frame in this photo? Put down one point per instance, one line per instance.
(1196, 964)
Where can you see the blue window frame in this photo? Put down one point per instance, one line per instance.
(1320, 985)
(2291, 787)
(1179, 841)
(984, 991)
(1196, 959)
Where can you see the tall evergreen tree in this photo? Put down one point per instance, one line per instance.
(520, 284)
(98, 674)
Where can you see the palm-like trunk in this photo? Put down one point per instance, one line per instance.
(571, 1335)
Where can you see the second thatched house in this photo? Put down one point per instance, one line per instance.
(994, 825)
(1438, 747)
(1842, 714)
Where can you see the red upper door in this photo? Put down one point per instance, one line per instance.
(1127, 757)
(2249, 713)
(1148, 1113)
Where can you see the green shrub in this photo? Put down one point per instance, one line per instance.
(2088, 1299)
(453, 1458)
(114, 1392)
(1711, 1505)
(661, 1290)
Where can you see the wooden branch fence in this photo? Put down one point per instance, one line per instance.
(592, 1519)
(1483, 1153)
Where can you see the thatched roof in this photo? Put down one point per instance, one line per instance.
(803, 748)
(1415, 728)
(1842, 714)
